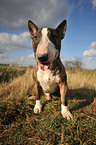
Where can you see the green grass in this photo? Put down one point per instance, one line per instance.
(19, 124)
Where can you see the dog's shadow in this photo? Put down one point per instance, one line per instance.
(84, 95)
(82, 98)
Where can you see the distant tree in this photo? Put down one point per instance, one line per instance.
(75, 63)
(68, 64)
(78, 63)
(30, 66)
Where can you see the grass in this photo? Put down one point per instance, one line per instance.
(19, 124)
(9, 73)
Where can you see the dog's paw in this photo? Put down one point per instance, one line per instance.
(48, 97)
(65, 112)
(38, 106)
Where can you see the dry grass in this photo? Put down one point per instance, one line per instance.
(19, 124)
(82, 79)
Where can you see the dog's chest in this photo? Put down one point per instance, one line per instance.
(47, 80)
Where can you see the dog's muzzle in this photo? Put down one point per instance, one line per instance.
(44, 60)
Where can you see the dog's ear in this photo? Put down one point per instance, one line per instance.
(61, 28)
(32, 28)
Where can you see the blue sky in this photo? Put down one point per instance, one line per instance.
(80, 38)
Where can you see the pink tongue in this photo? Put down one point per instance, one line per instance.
(44, 67)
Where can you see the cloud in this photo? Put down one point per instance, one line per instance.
(91, 53)
(93, 3)
(3, 56)
(23, 61)
(26, 61)
(10, 42)
(15, 14)
(31, 56)
(14, 42)
(93, 45)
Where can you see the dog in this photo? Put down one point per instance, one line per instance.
(49, 72)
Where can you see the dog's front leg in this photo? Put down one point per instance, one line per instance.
(64, 108)
(38, 105)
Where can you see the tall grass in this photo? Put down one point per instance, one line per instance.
(19, 124)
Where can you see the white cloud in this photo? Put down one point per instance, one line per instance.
(14, 41)
(93, 3)
(11, 42)
(5, 60)
(14, 14)
(26, 60)
(31, 56)
(91, 53)
(93, 45)
(23, 61)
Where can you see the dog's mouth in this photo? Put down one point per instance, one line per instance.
(47, 64)
(44, 66)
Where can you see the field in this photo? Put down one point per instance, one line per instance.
(19, 124)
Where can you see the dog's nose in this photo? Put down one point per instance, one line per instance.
(42, 58)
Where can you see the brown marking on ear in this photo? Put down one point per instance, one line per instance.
(35, 34)
(61, 28)
(32, 28)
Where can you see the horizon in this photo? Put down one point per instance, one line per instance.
(80, 36)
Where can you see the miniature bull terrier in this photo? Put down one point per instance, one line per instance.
(49, 72)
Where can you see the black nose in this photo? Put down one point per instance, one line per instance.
(42, 58)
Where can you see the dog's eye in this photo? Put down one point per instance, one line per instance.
(35, 37)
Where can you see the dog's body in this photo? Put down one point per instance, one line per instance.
(49, 72)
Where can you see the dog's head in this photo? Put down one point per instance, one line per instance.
(46, 43)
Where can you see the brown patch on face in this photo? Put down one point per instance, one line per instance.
(54, 38)
(56, 35)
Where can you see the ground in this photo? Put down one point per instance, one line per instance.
(19, 124)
